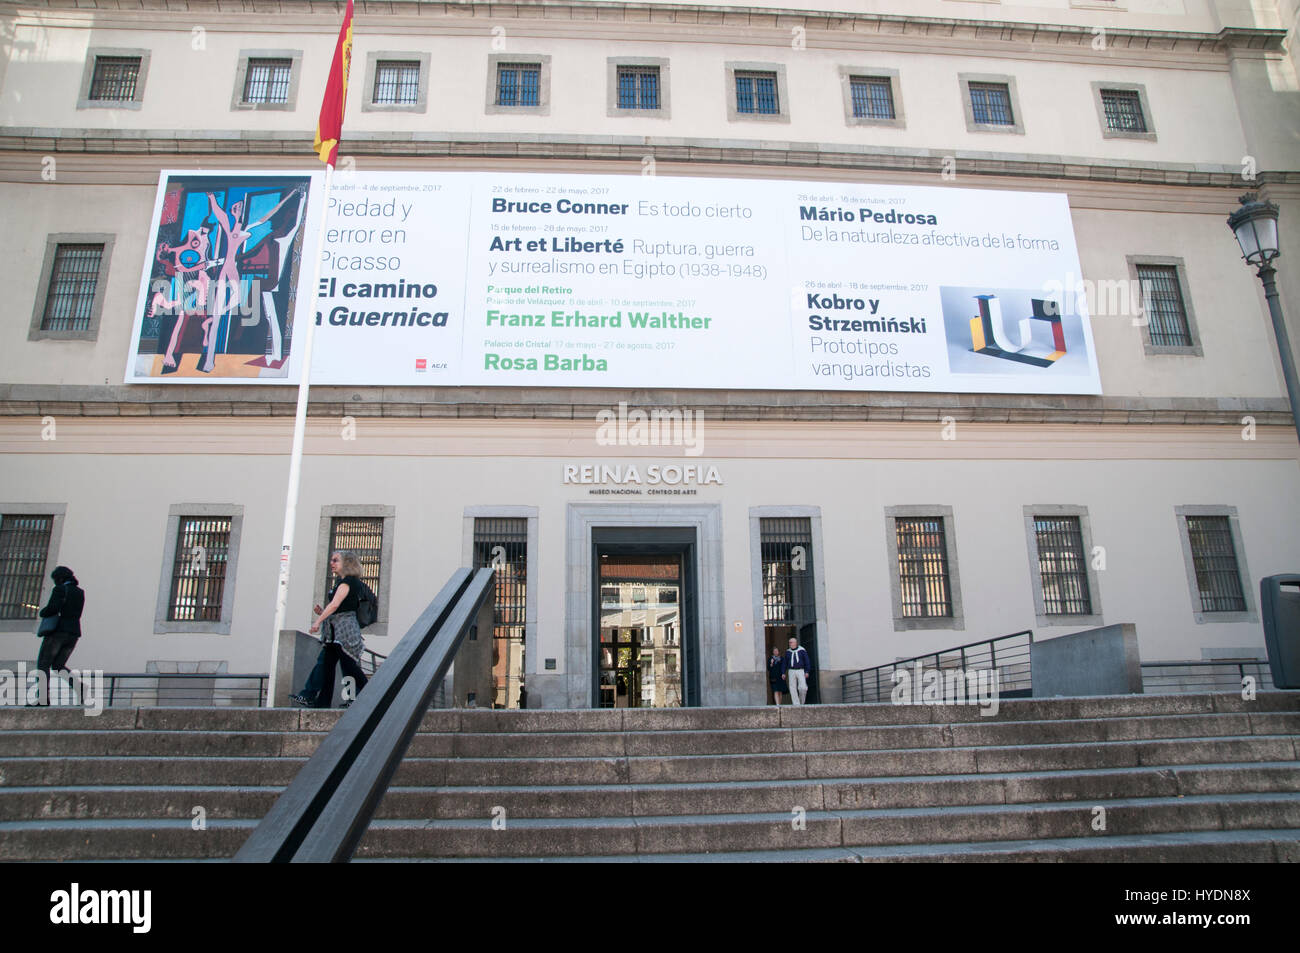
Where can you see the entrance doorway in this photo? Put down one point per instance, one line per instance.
(644, 618)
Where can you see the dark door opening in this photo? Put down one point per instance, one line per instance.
(646, 642)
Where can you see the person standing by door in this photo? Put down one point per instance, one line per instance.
(798, 669)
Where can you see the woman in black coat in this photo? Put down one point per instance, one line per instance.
(62, 626)
(776, 673)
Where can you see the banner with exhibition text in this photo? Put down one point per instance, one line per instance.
(449, 278)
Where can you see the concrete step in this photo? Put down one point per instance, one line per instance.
(147, 799)
(1224, 847)
(667, 719)
(820, 829)
(53, 772)
(121, 839)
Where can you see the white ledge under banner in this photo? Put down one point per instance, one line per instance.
(467, 278)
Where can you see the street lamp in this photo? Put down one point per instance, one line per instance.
(1255, 225)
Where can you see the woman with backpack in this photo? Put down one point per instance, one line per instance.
(340, 633)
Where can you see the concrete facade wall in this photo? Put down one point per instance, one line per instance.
(1169, 431)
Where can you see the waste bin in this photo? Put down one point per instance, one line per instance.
(1280, 598)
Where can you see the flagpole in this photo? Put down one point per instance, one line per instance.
(295, 459)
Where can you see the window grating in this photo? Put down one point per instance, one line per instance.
(74, 278)
(518, 84)
(785, 547)
(199, 572)
(115, 78)
(923, 567)
(991, 104)
(1123, 109)
(756, 93)
(364, 537)
(24, 549)
(1163, 300)
(267, 81)
(873, 97)
(638, 87)
(397, 83)
(1215, 559)
(502, 544)
(1061, 566)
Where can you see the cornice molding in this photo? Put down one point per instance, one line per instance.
(718, 18)
(533, 147)
(40, 400)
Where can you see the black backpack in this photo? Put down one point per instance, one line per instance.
(367, 606)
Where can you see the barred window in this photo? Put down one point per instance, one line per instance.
(199, 572)
(24, 549)
(518, 84)
(873, 97)
(1163, 300)
(1214, 557)
(785, 548)
(638, 87)
(1123, 109)
(923, 567)
(991, 104)
(756, 93)
(364, 537)
(1062, 566)
(115, 78)
(267, 81)
(501, 543)
(397, 83)
(74, 278)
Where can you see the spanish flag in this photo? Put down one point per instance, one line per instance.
(330, 127)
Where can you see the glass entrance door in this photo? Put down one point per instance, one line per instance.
(640, 649)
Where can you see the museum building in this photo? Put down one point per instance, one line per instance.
(653, 543)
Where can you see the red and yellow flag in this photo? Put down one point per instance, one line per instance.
(330, 127)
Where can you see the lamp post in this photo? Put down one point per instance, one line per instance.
(1255, 225)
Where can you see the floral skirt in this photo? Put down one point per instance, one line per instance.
(342, 627)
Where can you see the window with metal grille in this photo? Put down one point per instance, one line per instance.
(756, 93)
(518, 84)
(24, 548)
(397, 83)
(638, 87)
(873, 97)
(1062, 566)
(502, 544)
(199, 573)
(785, 547)
(923, 567)
(991, 104)
(1123, 109)
(1215, 559)
(267, 81)
(74, 279)
(364, 537)
(115, 78)
(1162, 297)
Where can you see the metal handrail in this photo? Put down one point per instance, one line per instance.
(112, 679)
(324, 812)
(1155, 682)
(873, 674)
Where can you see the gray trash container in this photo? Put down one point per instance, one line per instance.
(1280, 598)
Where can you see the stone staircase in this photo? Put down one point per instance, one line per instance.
(1131, 778)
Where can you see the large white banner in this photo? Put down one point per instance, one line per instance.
(612, 281)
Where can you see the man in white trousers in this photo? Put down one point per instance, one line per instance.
(798, 669)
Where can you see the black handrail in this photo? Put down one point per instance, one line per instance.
(860, 689)
(322, 815)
